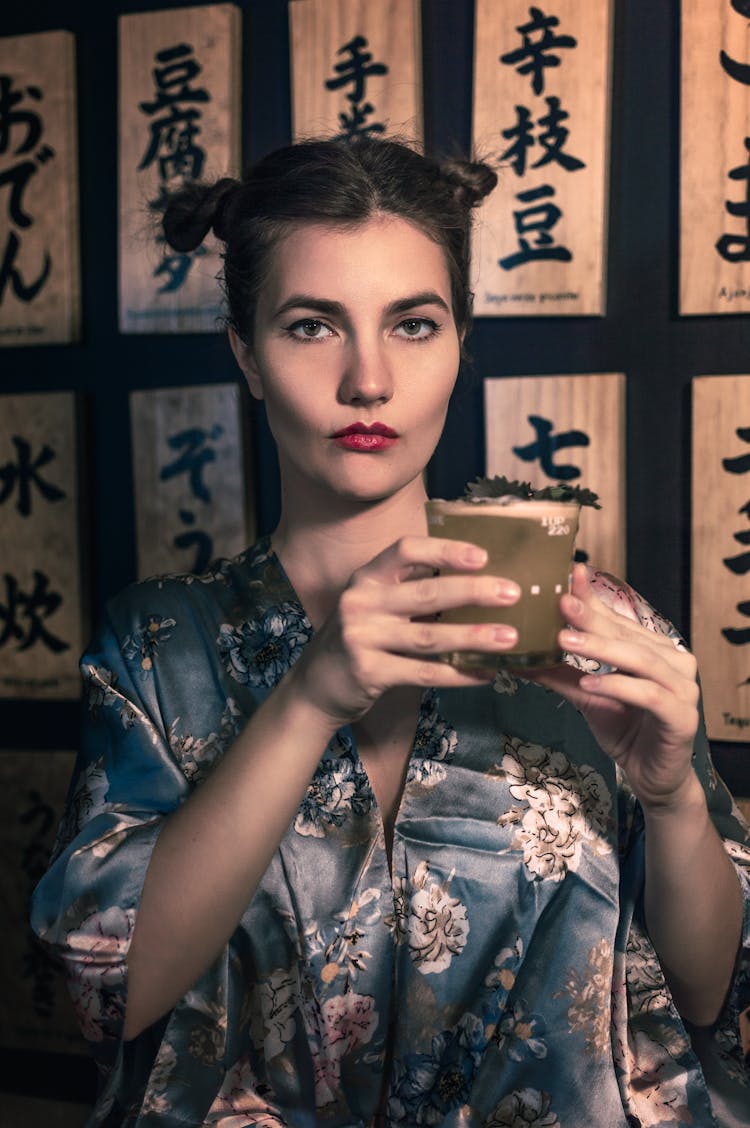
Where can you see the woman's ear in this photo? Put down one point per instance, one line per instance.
(244, 356)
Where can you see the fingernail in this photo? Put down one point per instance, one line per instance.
(507, 589)
(474, 555)
(570, 638)
(504, 633)
(591, 683)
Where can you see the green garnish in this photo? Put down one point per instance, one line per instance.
(500, 486)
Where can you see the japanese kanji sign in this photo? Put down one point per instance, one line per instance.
(179, 121)
(41, 627)
(541, 117)
(36, 1012)
(715, 157)
(356, 67)
(192, 488)
(40, 294)
(570, 429)
(720, 565)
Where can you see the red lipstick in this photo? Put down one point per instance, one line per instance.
(365, 437)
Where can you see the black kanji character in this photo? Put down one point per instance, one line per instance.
(24, 473)
(533, 56)
(545, 445)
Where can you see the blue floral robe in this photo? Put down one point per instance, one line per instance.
(501, 977)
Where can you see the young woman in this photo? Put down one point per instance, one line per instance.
(310, 875)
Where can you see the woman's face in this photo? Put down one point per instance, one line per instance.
(355, 354)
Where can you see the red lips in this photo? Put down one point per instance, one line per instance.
(367, 429)
(365, 438)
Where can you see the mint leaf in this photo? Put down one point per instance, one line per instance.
(500, 486)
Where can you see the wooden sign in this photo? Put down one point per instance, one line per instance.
(42, 625)
(40, 290)
(192, 488)
(356, 68)
(179, 121)
(541, 117)
(715, 157)
(570, 429)
(721, 551)
(36, 1012)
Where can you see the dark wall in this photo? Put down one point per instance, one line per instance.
(641, 335)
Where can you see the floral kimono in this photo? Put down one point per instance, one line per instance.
(498, 975)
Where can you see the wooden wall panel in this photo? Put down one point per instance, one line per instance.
(543, 429)
(721, 551)
(541, 116)
(356, 67)
(40, 288)
(179, 75)
(36, 1012)
(714, 158)
(42, 616)
(191, 482)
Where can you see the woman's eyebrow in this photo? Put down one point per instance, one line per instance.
(424, 297)
(307, 301)
(331, 308)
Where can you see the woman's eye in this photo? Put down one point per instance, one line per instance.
(417, 328)
(309, 329)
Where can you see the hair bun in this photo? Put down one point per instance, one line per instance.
(194, 210)
(471, 180)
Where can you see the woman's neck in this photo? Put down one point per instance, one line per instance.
(319, 554)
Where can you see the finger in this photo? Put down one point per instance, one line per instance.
(566, 681)
(436, 638)
(638, 657)
(441, 675)
(679, 716)
(622, 607)
(430, 594)
(586, 612)
(366, 603)
(379, 633)
(615, 694)
(582, 588)
(410, 553)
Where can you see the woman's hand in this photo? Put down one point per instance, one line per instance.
(645, 713)
(383, 632)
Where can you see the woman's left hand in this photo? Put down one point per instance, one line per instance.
(644, 713)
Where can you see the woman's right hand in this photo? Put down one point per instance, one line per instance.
(383, 632)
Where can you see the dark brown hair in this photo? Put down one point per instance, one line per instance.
(332, 181)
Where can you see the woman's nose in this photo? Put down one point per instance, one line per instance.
(367, 376)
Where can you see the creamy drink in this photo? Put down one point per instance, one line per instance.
(531, 541)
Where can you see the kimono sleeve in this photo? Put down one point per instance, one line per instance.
(125, 783)
(725, 1049)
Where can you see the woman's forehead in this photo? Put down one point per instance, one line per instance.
(382, 252)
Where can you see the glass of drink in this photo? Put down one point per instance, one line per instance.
(529, 540)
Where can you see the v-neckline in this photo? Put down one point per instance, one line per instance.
(388, 799)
